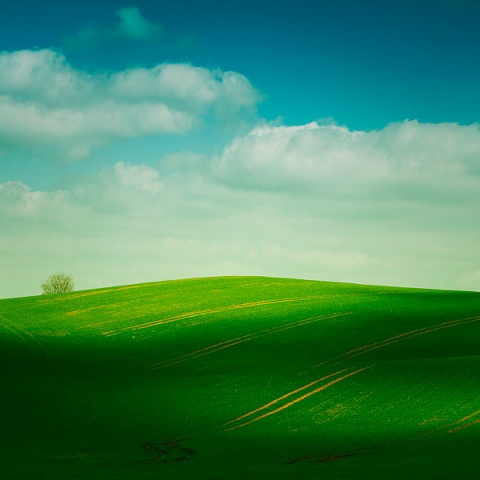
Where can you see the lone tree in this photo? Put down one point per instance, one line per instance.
(58, 283)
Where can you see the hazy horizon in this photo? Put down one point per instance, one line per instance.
(330, 141)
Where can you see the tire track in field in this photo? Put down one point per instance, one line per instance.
(25, 337)
(31, 341)
(97, 307)
(293, 401)
(456, 425)
(241, 339)
(460, 425)
(198, 313)
(395, 339)
(283, 397)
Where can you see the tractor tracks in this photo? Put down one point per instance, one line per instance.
(291, 398)
(242, 339)
(395, 339)
(206, 312)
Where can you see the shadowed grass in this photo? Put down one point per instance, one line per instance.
(243, 377)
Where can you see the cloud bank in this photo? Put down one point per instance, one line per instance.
(409, 157)
(46, 103)
(396, 206)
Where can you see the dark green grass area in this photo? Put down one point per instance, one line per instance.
(241, 377)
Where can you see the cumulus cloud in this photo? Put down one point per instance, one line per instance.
(406, 159)
(271, 158)
(134, 25)
(45, 102)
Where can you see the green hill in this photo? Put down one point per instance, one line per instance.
(241, 377)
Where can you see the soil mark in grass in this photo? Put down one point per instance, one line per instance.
(166, 452)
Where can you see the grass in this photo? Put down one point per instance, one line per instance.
(241, 377)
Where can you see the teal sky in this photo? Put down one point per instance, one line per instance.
(154, 140)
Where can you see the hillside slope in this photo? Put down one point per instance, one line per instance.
(243, 377)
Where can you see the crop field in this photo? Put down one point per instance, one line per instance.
(241, 377)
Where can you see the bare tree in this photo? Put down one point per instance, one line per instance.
(58, 283)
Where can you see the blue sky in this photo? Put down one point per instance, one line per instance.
(153, 140)
(363, 63)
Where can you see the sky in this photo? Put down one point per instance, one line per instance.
(329, 140)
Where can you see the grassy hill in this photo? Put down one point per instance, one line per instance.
(241, 377)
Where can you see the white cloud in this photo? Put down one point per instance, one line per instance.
(47, 103)
(141, 177)
(43, 77)
(186, 87)
(397, 206)
(282, 157)
(406, 159)
(134, 25)
(19, 201)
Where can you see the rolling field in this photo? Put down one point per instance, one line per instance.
(241, 377)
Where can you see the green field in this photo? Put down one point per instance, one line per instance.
(241, 377)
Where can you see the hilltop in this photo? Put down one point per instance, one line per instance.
(241, 377)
